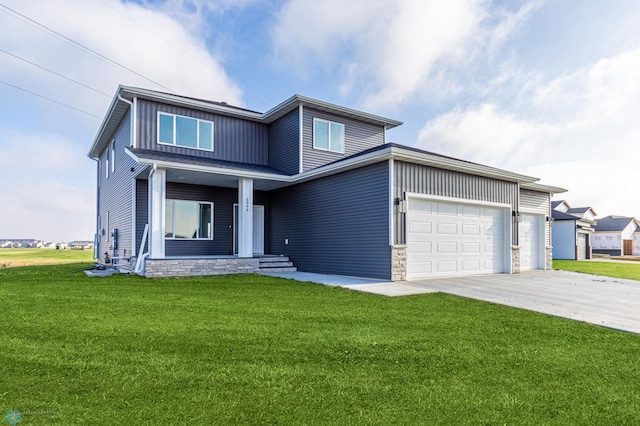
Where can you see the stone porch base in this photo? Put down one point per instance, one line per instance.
(158, 268)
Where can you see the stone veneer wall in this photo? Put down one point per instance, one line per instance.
(515, 259)
(549, 252)
(398, 263)
(157, 268)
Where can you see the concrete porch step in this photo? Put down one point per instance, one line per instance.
(276, 264)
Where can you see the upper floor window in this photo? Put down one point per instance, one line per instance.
(106, 163)
(328, 135)
(185, 131)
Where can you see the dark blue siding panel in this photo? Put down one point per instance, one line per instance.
(335, 225)
(284, 143)
(358, 137)
(142, 212)
(234, 139)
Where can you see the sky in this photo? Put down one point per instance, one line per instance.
(549, 88)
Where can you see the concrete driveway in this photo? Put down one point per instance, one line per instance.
(608, 302)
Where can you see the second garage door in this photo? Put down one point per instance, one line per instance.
(451, 238)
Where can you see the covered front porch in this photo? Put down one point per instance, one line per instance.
(207, 221)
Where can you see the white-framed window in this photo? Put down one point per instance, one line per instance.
(188, 220)
(328, 135)
(183, 131)
(113, 156)
(107, 160)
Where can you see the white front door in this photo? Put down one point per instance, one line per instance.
(258, 229)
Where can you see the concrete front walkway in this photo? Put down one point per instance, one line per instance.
(608, 302)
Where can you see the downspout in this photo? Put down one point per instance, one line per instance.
(96, 238)
(141, 259)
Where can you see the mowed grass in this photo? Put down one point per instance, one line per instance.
(260, 350)
(10, 257)
(629, 270)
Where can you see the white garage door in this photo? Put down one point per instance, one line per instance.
(530, 241)
(449, 239)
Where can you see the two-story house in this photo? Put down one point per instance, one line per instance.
(188, 187)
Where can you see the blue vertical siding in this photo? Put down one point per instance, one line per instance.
(284, 143)
(336, 225)
(115, 193)
(358, 137)
(234, 139)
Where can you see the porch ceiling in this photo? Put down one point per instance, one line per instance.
(175, 175)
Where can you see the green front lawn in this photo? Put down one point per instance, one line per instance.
(260, 350)
(629, 270)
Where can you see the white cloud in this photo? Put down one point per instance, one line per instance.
(396, 50)
(41, 199)
(47, 184)
(580, 132)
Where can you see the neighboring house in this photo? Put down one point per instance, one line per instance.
(636, 242)
(25, 243)
(572, 231)
(194, 187)
(615, 235)
(80, 245)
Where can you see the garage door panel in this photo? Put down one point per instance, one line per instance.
(466, 239)
(446, 266)
(471, 266)
(446, 247)
(446, 209)
(471, 247)
(468, 229)
(447, 228)
(419, 226)
(423, 246)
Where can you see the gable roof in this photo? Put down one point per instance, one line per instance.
(614, 223)
(580, 211)
(556, 203)
(124, 96)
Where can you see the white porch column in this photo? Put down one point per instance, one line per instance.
(245, 217)
(157, 196)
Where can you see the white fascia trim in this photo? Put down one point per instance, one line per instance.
(543, 188)
(392, 201)
(134, 124)
(300, 136)
(459, 165)
(209, 169)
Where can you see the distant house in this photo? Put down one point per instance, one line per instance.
(24, 243)
(80, 245)
(615, 235)
(572, 231)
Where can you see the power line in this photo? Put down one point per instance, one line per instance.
(50, 100)
(55, 73)
(84, 47)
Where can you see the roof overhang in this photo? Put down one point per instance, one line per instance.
(543, 188)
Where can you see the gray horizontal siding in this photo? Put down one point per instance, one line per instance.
(417, 178)
(284, 143)
(537, 202)
(234, 139)
(358, 137)
(115, 194)
(223, 200)
(336, 225)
